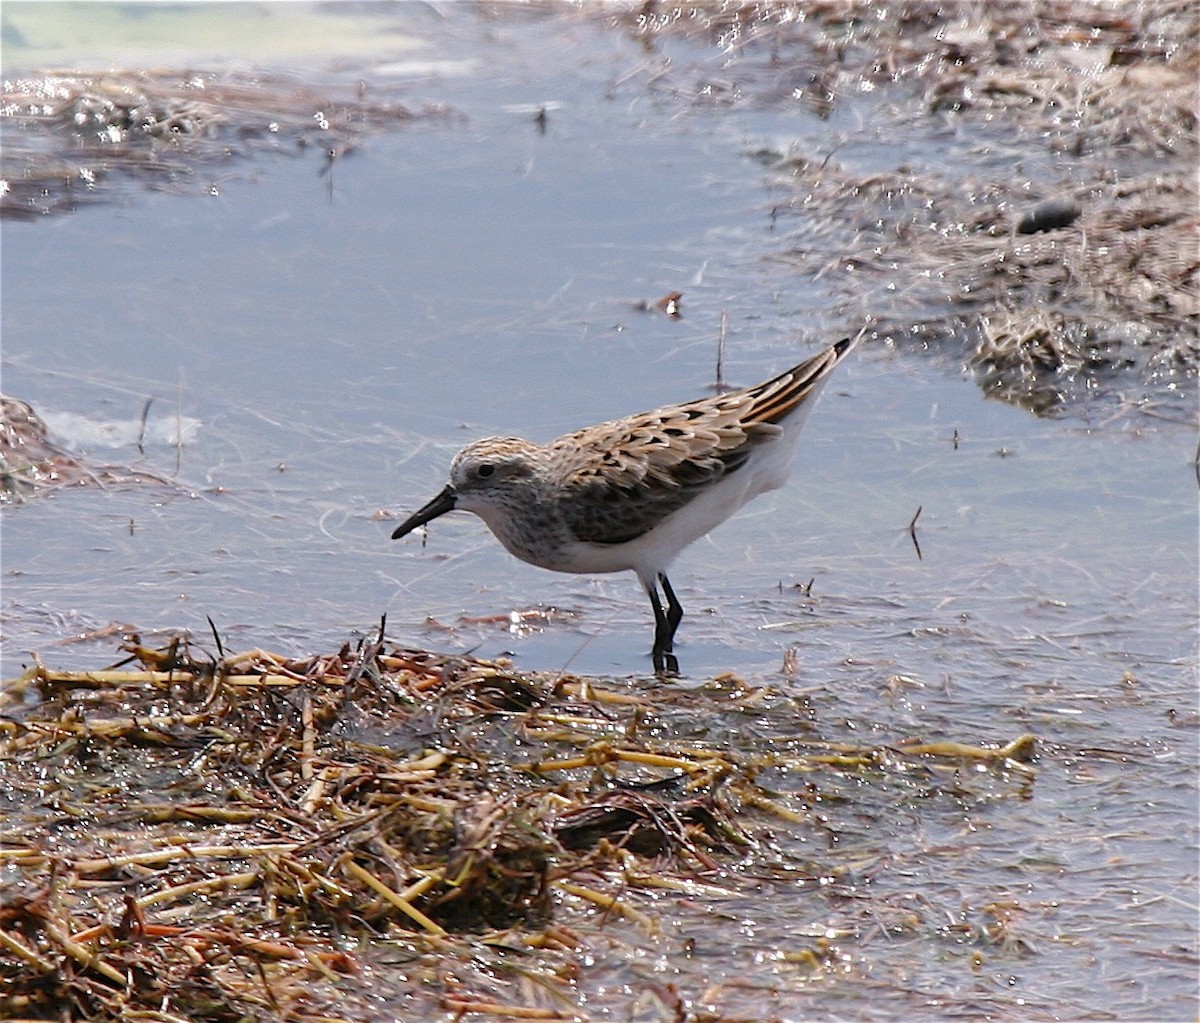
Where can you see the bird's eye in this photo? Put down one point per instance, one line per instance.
(485, 470)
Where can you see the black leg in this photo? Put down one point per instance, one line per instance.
(665, 624)
(674, 609)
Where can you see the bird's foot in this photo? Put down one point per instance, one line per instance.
(666, 664)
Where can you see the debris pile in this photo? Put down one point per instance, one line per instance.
(238, 836)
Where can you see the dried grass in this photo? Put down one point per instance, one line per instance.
(224, 838)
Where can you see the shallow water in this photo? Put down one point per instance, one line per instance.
(322, 344)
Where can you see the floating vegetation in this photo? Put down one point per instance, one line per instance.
(67, 135)
(30, 463)
(1062, 268)
(246, 836)
(1079, 76)
(1115, 290)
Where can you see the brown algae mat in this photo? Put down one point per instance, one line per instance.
(237, 836)
(1058, 241)
(69, 135)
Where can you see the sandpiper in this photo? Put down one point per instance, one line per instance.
(631, 494)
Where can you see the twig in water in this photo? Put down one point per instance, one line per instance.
(829, 155)
(912, 531)
(216, 638)
(141, 441)
(720, 386)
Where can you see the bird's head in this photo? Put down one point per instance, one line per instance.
(486, 477)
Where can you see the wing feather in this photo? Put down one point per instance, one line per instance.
(620, 480)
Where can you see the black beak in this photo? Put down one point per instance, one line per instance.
(441, 504)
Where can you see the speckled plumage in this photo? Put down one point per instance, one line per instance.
(631, 493)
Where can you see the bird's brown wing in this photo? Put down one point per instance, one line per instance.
(621, 479)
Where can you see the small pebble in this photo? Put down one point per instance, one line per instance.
(1049, 216)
